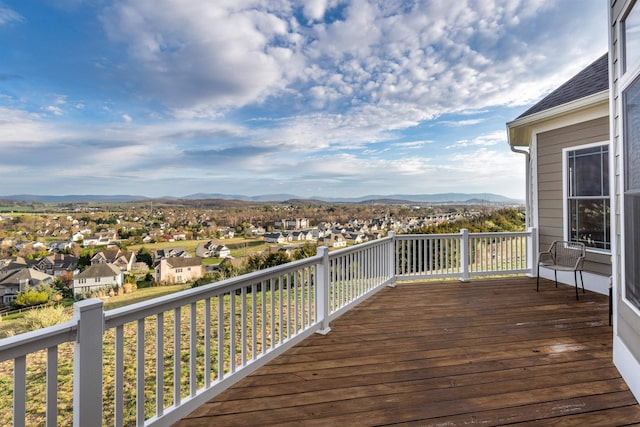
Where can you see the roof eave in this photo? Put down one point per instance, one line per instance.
(521, 139)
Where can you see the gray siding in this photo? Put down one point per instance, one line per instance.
(628, 327)
(550, 199)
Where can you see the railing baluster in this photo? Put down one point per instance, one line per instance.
(140, 399)
(159, 364)
(263, 316)
(311, 272)
(289, 310)
(118, 396)
(177, 350)
(193, 341)
(272, 320)
(232, 332)
(52, 386)
(221, 323)
(243, 326)
(207, 342)
(281, 310)
(254, 332)
(19, 391)
(296, 302)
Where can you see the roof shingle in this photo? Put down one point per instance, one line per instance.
(589, 81)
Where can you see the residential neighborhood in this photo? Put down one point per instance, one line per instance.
(87, 251)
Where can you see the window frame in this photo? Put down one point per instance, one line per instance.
(627, 64)
(629, 72)
(626, 84)
(566, 196)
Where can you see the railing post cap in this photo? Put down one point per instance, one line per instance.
(321, 250)
(88, 304)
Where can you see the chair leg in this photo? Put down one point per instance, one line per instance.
(538, 279)
(575, 279)
(555, 274)
(610, 304)
(582, 281)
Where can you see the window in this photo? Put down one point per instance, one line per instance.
(631, 150)
(588, 203)
(631, 38)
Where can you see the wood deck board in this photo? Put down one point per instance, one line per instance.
(492, 352)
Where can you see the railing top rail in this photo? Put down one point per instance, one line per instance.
(129, 313)
(426, 236)
(359, 247)
(40, 339)
(457, 235)
(501, 234)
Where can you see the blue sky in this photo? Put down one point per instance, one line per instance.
(313, 98)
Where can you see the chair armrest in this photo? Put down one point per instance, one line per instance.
(545, 257)
(579, 263)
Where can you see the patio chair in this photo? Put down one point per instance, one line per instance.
(563, 256)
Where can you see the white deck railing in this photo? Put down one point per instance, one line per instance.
(431, 256)
(153, 362)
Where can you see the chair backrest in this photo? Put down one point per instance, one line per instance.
(568, 254)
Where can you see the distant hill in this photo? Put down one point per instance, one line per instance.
(428, 198)
(370, 199)
(116, 198)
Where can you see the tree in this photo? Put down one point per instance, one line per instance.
(30, 298)
(145, 256)
(275, 258)
(306, 251)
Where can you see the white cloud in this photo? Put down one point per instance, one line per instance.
(127, 118)
(198, 55)
(56, 111)
(314, 9)
(494, 138)
(8, 15)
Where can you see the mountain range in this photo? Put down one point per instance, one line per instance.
(373, 198)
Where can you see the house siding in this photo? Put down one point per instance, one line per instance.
(550, 180)
(627, 326)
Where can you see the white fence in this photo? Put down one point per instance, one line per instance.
(153, 362)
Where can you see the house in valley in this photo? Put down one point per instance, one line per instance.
(179, 270)
(19, 280)
(333, 240)
(13, 263)
(58, 264)
(169, 252)
(274, 238)
(99, 275)
(122, 259)
(212, 249)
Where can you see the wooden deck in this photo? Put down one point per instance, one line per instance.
(490, 352)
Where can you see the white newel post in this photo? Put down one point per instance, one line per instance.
(87, 363)
(532, 252)
(464, 254)
(391, 258)
(322, 272)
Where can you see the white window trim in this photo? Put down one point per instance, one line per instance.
(627, 75)
(565, 193)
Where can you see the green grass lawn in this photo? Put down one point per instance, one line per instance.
(142, 295)
(239, 245)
